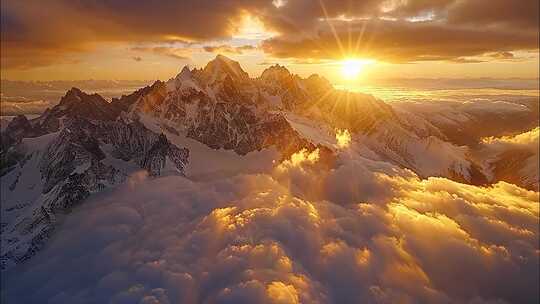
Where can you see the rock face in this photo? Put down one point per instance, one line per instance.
(223, 108)
(57, 160)
(74, 104)
(16, 129)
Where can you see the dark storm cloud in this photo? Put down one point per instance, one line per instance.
(37, 34)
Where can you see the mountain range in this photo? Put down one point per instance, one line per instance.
(86, 144)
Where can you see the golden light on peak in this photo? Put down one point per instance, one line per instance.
(352, 68)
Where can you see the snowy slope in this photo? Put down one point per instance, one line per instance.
(48, 169)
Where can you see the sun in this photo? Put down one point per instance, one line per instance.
(352, 68)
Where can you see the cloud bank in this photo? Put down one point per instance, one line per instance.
(508, 155)
(305, 232)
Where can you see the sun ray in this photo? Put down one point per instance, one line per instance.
(349, 30)
(322, 98)
(360, 36)
(332, 28)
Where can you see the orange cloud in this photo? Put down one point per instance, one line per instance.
(228, 49)
(182, 53)
(398, 41)
(391, 30)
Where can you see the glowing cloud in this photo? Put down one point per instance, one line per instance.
(249, 239)
(282, 294)
(526, 138)
(299, 158)
(343, 138)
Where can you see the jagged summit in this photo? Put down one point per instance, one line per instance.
(221, 67)
(78, 103)
(77, 148)
(185, 73)
(126, 101)
(275, 72)
(72, 96)
(76, 94)
(227, 77)
(223, 58)
(318, 84)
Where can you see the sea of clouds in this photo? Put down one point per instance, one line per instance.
(347, 230)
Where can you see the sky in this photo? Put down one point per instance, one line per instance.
(346, 41)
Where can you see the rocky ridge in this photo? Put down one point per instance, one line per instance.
(51, 163)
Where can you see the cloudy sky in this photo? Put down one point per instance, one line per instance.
(121, 39)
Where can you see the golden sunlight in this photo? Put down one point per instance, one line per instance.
(251, 27)
(343, 138)
(352, 68)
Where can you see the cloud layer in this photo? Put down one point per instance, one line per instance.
(399, 41)
(306, 232)
(387, 29)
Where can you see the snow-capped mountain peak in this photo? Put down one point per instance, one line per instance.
(78, 103)
(221, 67)
(275, 72)
(81, 146)
(184, 79)
(85, 143)
(185, 73)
